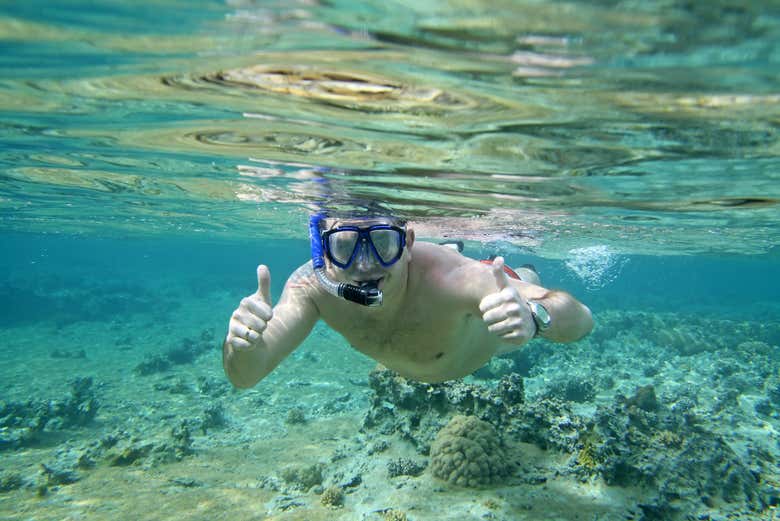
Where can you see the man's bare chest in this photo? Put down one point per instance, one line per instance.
(418, 338)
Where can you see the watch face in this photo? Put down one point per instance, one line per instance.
(541, 316)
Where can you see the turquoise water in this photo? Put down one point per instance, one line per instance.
(153, 153)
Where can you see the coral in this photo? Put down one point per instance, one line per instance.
(152, 364)
(764, 407)
(377, 447)
(17, 436)
(685, 334)
(492, 503)
(129, 455)
(693, 340)
(754, 347)
(573, 389)
(393, 515)
(511, 389)
(177, 386)
(80, 407)
(587, 457)
(283, 503)
(669, 439)
(295, 416)
(213, 387)
(644, 398)
(54, 476)
(10, 482)
(213, 416)
(21, 422)
(405, 467)
(548, 423)
(417, 411)
(185, 353)
(135, 450)
(468, 452)
(666, 452)
(182, 440)
(496, 368)
(186, 482)
(332, 497)
(303, 478)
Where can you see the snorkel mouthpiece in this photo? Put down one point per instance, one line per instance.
(367, 294)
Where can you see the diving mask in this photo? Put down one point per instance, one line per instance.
(343, 244)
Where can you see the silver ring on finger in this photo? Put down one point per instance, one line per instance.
(246, 335)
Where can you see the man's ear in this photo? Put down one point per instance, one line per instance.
(409, 243)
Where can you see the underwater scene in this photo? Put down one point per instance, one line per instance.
(155, 152)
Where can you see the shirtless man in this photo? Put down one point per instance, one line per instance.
(442, 315)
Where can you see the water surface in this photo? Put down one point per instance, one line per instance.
(552, 125)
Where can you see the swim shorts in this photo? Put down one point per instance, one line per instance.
(509, 271)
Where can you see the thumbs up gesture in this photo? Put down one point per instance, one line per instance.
(251, 317)
(505, 311)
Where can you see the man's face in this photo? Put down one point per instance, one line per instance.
(367, 250)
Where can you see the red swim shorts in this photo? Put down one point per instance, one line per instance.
(509, 271)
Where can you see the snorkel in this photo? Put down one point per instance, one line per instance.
(367, 294)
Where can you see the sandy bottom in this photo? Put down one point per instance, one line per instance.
(227, 483)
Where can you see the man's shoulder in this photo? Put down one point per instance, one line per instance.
(430, 256)
(305, 270)
(436, 256)
(303, 277)
(439, 263)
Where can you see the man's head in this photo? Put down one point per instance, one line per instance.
(366, 249)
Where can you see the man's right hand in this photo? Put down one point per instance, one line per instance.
(251, 317)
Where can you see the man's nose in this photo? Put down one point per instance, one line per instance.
(364, 259)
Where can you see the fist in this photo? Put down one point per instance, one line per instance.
(250, 319)
(506, 312)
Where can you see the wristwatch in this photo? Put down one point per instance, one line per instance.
(542, 317)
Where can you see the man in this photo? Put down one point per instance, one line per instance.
(442, 315)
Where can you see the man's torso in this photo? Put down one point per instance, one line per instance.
(429, 335)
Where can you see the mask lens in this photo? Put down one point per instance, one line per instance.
(341, 245)
(387, 243)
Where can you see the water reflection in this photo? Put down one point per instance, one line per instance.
(648, 129)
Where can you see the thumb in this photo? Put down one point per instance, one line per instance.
(502, 280)
(264, 283)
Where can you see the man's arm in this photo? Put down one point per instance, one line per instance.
(571, 320)
(260, 337)
(504, 307)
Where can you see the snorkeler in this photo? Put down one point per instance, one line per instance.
(420, 309)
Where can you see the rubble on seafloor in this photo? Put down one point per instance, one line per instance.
(24, 422)
(185, 352)
(35, 422)
(117, 449)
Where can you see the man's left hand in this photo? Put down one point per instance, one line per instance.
(506, 312)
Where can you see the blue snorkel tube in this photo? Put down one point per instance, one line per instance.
(367, 295)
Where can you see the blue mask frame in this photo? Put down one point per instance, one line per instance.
(364, 237)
